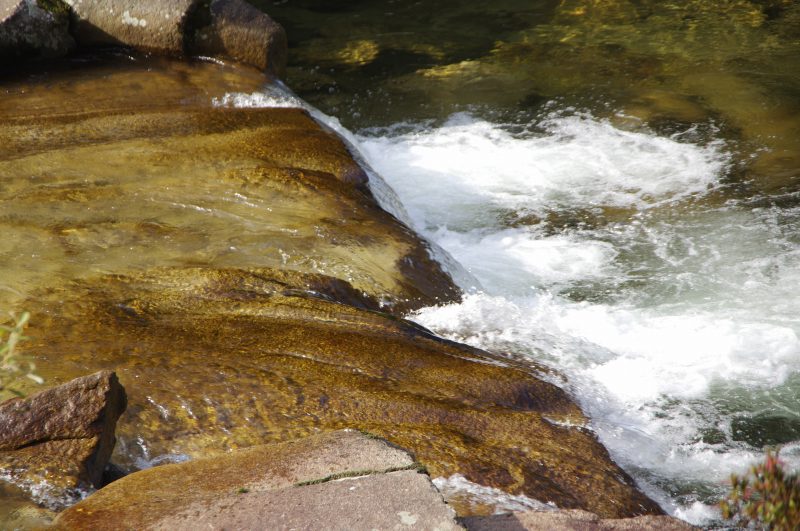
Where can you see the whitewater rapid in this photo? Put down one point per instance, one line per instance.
(599, 252)
(610, 255)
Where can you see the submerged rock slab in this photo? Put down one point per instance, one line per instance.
(63, 436)
(231, 264)
(344, 479)
(216, 360)
(128, 168)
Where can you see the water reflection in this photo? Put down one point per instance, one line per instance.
(663, 65)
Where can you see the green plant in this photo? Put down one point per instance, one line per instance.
(767, 497)
(12, 363)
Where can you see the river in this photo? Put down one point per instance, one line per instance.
(615, 186)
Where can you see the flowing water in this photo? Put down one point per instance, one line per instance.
(613, 183)
(619, 180)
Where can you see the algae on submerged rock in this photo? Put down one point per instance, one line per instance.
(228, 264)
(128, 167)
(215, 360)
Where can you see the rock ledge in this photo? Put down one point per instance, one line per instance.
(345, 478)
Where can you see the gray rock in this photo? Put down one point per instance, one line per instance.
(63, 435)
(150, 25)
(230, 29)
(334, 480)
(28, 30)
(395, 500)
(571, 520)
(237, 30)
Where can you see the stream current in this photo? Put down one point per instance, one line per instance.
(582, 245)
(614, 185)
(676, 327)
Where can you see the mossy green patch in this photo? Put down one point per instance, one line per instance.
(58, 8)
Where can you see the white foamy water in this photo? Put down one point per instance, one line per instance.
(457, 487)
(273, 96)
(579, 163)
(599, 252)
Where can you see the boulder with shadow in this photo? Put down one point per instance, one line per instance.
(58, 441)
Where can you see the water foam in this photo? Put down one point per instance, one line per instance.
(457, 487)
(272, 96)
(655, 308)
(579, 162)
(44, 493)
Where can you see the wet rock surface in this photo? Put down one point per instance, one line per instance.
(232, 265)
(110, 169)
(345, 479)
(60, 440)
(216, 360)
(574, 520)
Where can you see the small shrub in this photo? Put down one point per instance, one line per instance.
(12, 363)
(767, 497)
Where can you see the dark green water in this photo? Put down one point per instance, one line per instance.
(663, 64)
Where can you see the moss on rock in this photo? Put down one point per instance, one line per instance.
(220, 359)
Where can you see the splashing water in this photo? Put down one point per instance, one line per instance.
(603, 253)
(608, 254)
